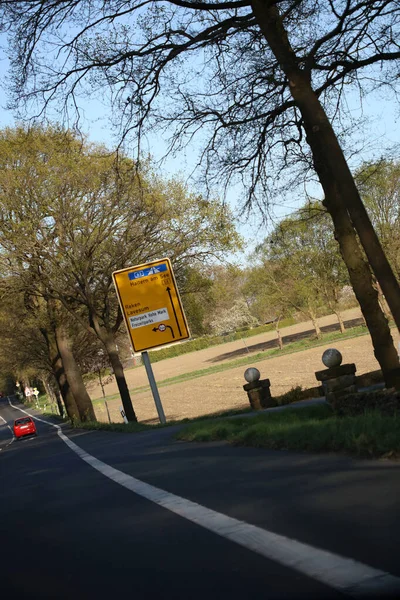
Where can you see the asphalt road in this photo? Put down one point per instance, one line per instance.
(68, 531)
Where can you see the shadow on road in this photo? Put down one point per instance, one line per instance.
(287, 339)
(237, 411)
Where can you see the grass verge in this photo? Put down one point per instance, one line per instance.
(55, 417)
(312, 429)
(137, 427)
(119, 427)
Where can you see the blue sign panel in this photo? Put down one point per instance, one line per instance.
(148, 271)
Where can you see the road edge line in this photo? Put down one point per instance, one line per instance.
(344, 574)
(12, 434)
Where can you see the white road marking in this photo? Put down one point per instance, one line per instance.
(344, 574)
(11, 431)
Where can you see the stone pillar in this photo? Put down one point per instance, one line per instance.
(258, 390)
(337, 380)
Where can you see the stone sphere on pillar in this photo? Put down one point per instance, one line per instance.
(332, 358)
(252, 374)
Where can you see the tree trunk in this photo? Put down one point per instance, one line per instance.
(340, 320)
(59, 375)
(341, 196)
(366, 294)
(278, 333)
(65, 390)
(73, 375)
(25, 383)
(58, 399)
(53, 392)
(382, 302)
(327, 153)
(109, 343)
(315, 325)
(101, 383)
(49, 391)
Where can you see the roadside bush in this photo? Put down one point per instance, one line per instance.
(56, 417)
(132, 427)
(293, 395)
(299, 393)
(387, 402)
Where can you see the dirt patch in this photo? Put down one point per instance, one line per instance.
(223, 391)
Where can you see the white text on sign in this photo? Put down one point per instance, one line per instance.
(154, 316)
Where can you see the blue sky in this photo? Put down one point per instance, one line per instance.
(373, 139)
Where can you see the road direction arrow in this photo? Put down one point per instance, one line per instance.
(173, 308)
(163, 327)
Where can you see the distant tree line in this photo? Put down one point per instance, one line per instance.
(297, 269)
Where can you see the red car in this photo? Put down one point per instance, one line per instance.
(24, 426)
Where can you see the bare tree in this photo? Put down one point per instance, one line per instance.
(263, 79)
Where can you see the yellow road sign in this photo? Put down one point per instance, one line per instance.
(151, 305)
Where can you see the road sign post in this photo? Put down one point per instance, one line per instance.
(153, 386)
(152, 311)
(108, 412)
